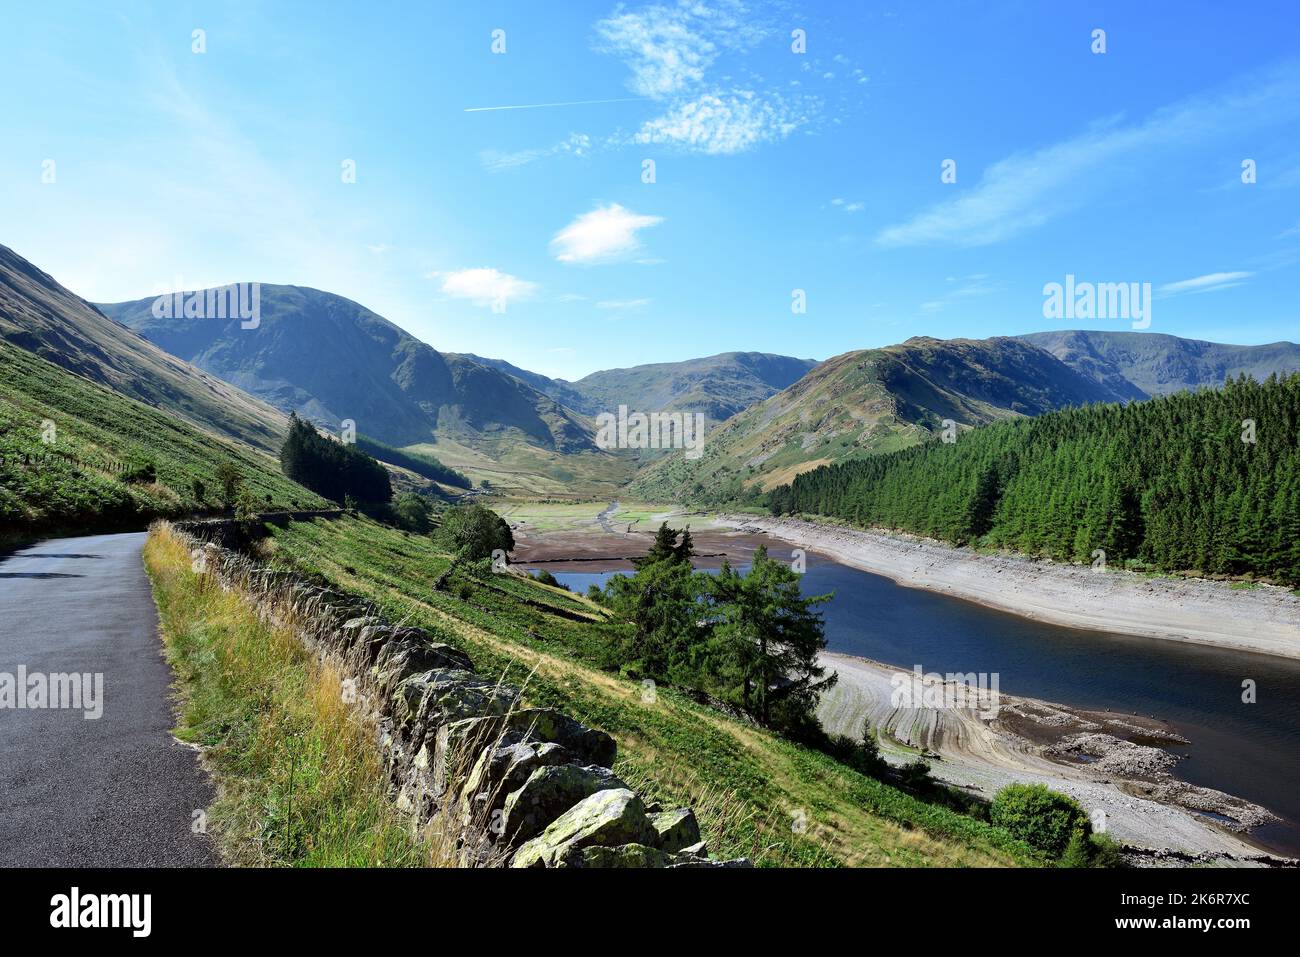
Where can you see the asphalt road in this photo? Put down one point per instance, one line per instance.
(117, 791)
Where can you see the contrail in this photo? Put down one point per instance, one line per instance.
(538, 106)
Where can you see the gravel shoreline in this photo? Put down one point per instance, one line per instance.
(1111, 764)
(1264, 619)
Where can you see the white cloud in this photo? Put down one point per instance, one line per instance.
(847, 206)
(1025, 190)
(622, 304)
(669, 47)
(1207, 283)
(485, 287)
(605, 233)
(723, 123)
(577, 144)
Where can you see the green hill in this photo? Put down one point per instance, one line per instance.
(39, 315)
(95, 471)
(1168, 483)
(866, 402)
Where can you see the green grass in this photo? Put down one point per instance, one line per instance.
(99, 429)
(300, 782)
(749, 786)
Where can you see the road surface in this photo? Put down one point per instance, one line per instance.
(117, 791)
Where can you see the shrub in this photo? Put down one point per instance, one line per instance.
(1040, 817)
(473, 532)
(139, 470)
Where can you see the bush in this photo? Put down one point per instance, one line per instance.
(411, 512)
(1040, 817)
(915, 776)
(473, 532)
(546, 578)
(139, 470)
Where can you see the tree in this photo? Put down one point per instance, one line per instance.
(769, 636)
(412, 513)
(331, 468)
(199, 489)
(473, 532)
(662, 615)
(665, 548)
(230, 482)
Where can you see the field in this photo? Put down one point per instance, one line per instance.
(94, 472)
(756, 794)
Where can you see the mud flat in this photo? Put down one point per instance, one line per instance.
(1263, 619)
(1114, 765)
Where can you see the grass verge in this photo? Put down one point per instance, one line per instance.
(299, 780)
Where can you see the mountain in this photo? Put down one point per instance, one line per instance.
(331, 359)
(719, 386)
(41, 316)
(871, 401)
(1151, 364)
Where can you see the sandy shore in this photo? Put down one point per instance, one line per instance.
(1111, 764)
(1263, 619)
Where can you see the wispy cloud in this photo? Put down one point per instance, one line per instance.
(577, 144)
(1026, 190)
(847, 205)
(484, 286)
(670, 48)
(961, 287)
(606, 233)
(1210, 282)
(722, 123)
(622, 305)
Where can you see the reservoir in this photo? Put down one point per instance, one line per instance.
(1250, 750)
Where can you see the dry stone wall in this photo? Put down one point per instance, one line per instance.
(512, 785)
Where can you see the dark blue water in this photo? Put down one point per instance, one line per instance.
(1251, 750)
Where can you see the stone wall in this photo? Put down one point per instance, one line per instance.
(511, 785)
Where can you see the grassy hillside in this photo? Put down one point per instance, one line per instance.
(1152, 364)
(1168, 483)
(750, 788)
(719, 386)
(868, 402)
(100, 439)
(39, 315)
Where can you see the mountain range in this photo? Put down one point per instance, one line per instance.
(718, 386)
(331, 359)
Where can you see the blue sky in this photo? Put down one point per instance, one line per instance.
(774, 170)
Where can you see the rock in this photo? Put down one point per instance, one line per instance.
(551, 791)
(608, 818)
(500, 771)
(677, 829)
(547, 724)
(623, 856)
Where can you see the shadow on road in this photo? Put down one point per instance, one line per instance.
(38, 575)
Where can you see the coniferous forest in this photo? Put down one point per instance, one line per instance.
(1203, 481)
